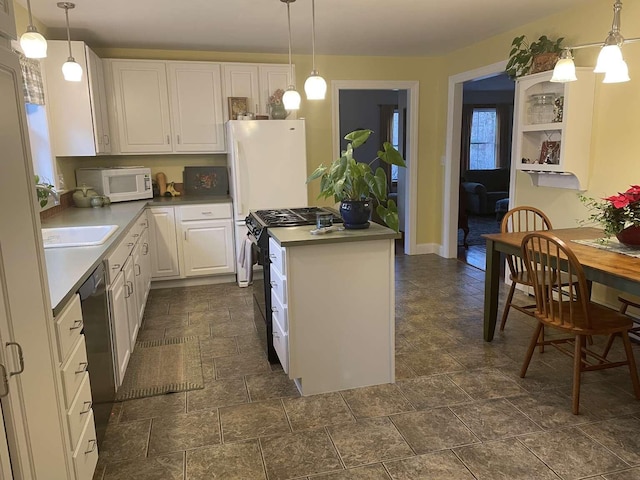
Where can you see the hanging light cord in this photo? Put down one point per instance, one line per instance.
(290, 64)
(313, 35)
(66, 14)
(30, 17)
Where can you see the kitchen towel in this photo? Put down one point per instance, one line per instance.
(245, 259)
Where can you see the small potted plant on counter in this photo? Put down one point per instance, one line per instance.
(526, 58)
(354, 184)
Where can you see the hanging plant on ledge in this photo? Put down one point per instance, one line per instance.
(526, 58)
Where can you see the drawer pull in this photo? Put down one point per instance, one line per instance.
(145, 251)
(20, 358)
(83, 367)
(273, 283)
(207, 213)
(274, 309)
(139, 269)
(92, 446)
(76, 325)
(276, 335)
(87, 407)
(272, 256)
(106, 139)
(116, 266)
(135, 235)
(129, 244)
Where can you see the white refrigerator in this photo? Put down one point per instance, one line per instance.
(268, 169)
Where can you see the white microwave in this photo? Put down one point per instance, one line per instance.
(120, 184)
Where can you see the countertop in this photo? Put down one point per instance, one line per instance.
(68, 268)
(299, 236)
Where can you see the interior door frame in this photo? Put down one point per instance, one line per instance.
(411, 190)
(449, 241)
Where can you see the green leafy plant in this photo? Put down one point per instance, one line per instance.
(614, 213)
(347, 179)
(43, 196)
(522, 53)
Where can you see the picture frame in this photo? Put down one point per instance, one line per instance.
(237, 106)
(550, 152)
(205, 181)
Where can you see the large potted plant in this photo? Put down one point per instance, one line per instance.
(355, 185)
(526, 58)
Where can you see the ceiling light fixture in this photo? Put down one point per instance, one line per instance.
(291, 98)
(315, 87)
(610, 61)
(71, 69)
(33, 44)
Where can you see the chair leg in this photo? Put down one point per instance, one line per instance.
(541, 348)
(608, 346)
(507, 305)
(632, 364)
(577, 372)
(532, 347)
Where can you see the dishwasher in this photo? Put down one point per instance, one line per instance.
(97, 333)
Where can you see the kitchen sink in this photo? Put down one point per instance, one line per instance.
(83, 236)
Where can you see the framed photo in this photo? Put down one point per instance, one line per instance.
(550, 152)
(205, 181)
(237, 106)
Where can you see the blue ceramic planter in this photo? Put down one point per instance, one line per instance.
(355, 213)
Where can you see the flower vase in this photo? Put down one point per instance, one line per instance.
(630, 237)
(278, 111)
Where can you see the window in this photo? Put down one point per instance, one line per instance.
(483, 148)
(394, 142)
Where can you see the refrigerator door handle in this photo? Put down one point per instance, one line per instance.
(236, 180)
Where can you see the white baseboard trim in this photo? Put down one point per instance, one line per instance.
(192, 282)
(426, 248)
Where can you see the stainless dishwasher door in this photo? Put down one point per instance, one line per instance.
(97, 332)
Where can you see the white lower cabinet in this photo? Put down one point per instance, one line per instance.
(76, 388)
(163, 242)
(199, 242)
(128, 287)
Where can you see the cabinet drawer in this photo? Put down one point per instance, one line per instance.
(277, 255)
(281, 345)
(73, 371)
(206, 211)
(279, 311)
(79, 410)
(85, 456)
(68, 327)
(278, 285)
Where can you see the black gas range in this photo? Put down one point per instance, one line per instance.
(258, 223)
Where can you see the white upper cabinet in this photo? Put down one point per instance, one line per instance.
(7, 23)
(196, 107)
(141, 106)
(78, 121)
(241, 80)
(256, 82)
(167, 106)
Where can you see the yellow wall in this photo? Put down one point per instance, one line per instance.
(22, 20)
(614, 149)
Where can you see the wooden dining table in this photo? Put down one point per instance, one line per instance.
(613, 269)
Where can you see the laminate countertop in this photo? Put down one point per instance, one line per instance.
(68, 268)
(300, 236)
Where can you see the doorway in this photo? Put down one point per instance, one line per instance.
(453, 170)
(405, 95)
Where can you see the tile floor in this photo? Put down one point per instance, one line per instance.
(458, 409)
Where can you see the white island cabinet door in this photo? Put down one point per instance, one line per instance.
(142, 106)
(196, 106)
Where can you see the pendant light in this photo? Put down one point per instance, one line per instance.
(610, 61)
(33, 44)
(291, 98)
(71, 69)
(315, 87)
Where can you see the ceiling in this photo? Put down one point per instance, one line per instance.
(343, 27)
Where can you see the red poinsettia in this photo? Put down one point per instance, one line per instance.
(616, 212)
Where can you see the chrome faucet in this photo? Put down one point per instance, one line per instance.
(50, 191)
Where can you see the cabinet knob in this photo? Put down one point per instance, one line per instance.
(178, 139)
(116, 266)
(168, 139)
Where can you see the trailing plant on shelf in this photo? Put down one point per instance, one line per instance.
(522, 57)
(347, 180)
(43, 195)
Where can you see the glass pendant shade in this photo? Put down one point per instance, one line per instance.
(291, 99)
(33, 44)
(617, 73)
(72, 70)
(315, 87)
(564, 71)
(609, 55)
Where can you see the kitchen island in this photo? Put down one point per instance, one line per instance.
(334, 306)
